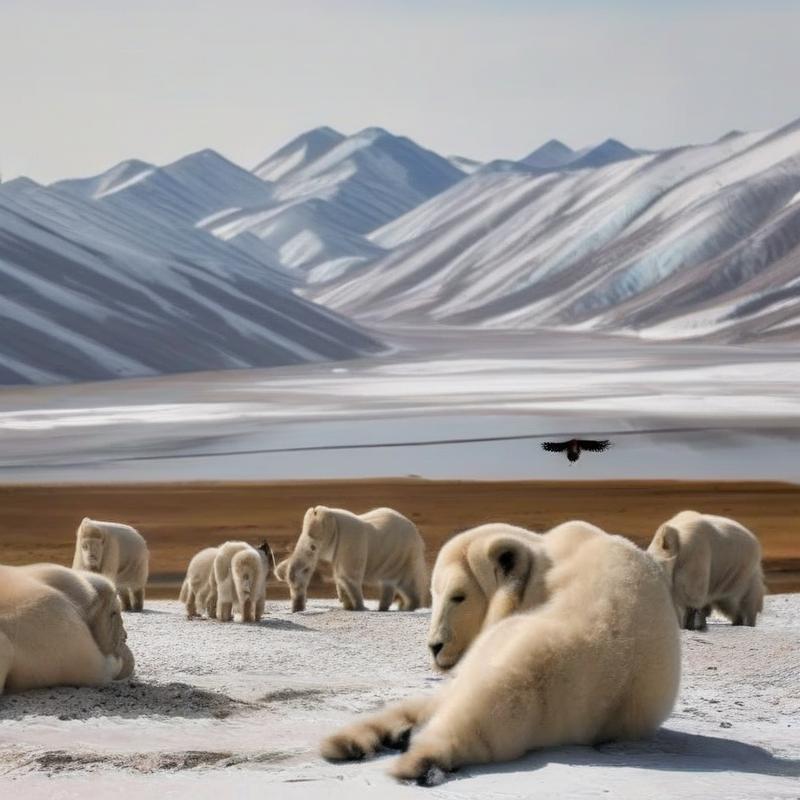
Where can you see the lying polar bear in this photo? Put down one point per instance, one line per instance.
(96, 599)
(117, 551)
(381, 546)
(199, 589)
(710, 562)
(589, 653)
(59, 628)
(240, 573)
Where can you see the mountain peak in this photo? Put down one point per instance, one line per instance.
(607, 152)
(298, 153)
(550, 155)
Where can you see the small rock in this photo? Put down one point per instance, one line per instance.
(725, 725)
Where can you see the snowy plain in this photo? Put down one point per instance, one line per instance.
(445, 404)
(217, 711)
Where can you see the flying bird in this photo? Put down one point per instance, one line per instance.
(573, 447)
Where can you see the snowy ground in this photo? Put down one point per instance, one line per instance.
(672, 410)
(219, 711)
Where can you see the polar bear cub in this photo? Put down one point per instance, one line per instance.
(117, 551)
(380, 547)
(241, 573)
(58, 629)
(710, 562)
(199, 589)
(576, 642)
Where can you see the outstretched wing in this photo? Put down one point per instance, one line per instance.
(594, 446)
(555, 447)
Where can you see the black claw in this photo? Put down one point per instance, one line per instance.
(399, 742)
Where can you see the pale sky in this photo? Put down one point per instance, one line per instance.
(85, 84)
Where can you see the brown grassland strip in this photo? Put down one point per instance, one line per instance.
(37, 523)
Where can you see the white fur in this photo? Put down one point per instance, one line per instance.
(58, 627)
(117, 551)
(199, 589)
(710, 562)
(241, 573)
(380, 547)
(581, 646)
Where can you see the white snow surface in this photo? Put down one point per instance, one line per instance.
(231, 710)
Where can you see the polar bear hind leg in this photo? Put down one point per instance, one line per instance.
(387, 596)
(137, 599)
(753, 601)
(6, 659)
(124, 598)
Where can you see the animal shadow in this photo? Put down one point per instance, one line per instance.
(128, 699)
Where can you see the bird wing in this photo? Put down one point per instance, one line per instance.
(594, 446)
(555, 447)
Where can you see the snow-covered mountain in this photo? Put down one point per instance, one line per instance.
(107, 278)
(330, 191)
(701, 240)
(201, 264)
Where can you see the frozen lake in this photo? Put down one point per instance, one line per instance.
(448, 404)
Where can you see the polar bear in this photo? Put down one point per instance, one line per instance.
(96, 598)
(199, 589)
(578, 644)
(241, 573)
(710, 562)
(381, 547)
(117, 551)
(46, 638)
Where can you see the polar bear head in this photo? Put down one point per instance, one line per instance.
(91, 545)
(480, 577)
(319, 529)
(104, 616)
(664, 549)
(247, 566)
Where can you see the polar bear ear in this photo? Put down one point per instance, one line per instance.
(510, 559)
(512, 563)
(668, 541)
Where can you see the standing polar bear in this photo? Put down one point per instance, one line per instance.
(380, 547)
(710, 562)
(241, 573)
(117, 551)
(59, 628)
(589, 653)
(199, 589)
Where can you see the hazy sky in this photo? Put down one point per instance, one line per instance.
(87, 83)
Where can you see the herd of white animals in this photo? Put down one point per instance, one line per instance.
(564, 637)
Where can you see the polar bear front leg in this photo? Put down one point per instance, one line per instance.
(352, 591)
(211, 606)
(387, 597)
(390, 728)
(260, 603)
(191, 604)
(224, 611)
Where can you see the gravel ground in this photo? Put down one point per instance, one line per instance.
(215, 708)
